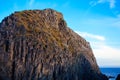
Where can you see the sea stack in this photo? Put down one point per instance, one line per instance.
(38, 45)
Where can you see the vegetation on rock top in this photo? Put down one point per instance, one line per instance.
(38, 45)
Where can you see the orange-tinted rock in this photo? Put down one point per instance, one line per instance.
(38, 45)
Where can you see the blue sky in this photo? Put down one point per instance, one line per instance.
(98, 21)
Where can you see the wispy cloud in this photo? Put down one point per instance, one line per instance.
(89, 35)
(31, 2)
(110, 2)
(94, 3)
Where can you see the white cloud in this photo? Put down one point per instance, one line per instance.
(106, 56)
(110, 2)
(89, 35)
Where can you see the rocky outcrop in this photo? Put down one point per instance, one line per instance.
(118, 77)
(38, 45)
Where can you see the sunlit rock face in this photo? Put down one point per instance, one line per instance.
(38, 45)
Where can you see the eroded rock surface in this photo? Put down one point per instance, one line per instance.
(38, 45)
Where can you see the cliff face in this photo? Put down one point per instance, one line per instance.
(38, 45)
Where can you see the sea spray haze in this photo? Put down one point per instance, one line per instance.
(38, 45)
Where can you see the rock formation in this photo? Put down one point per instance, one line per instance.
(38, 45)
(118, 77)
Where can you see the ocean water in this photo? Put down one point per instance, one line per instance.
(110, 72)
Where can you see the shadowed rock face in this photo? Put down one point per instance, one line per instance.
(38, 45)
(118, 77)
